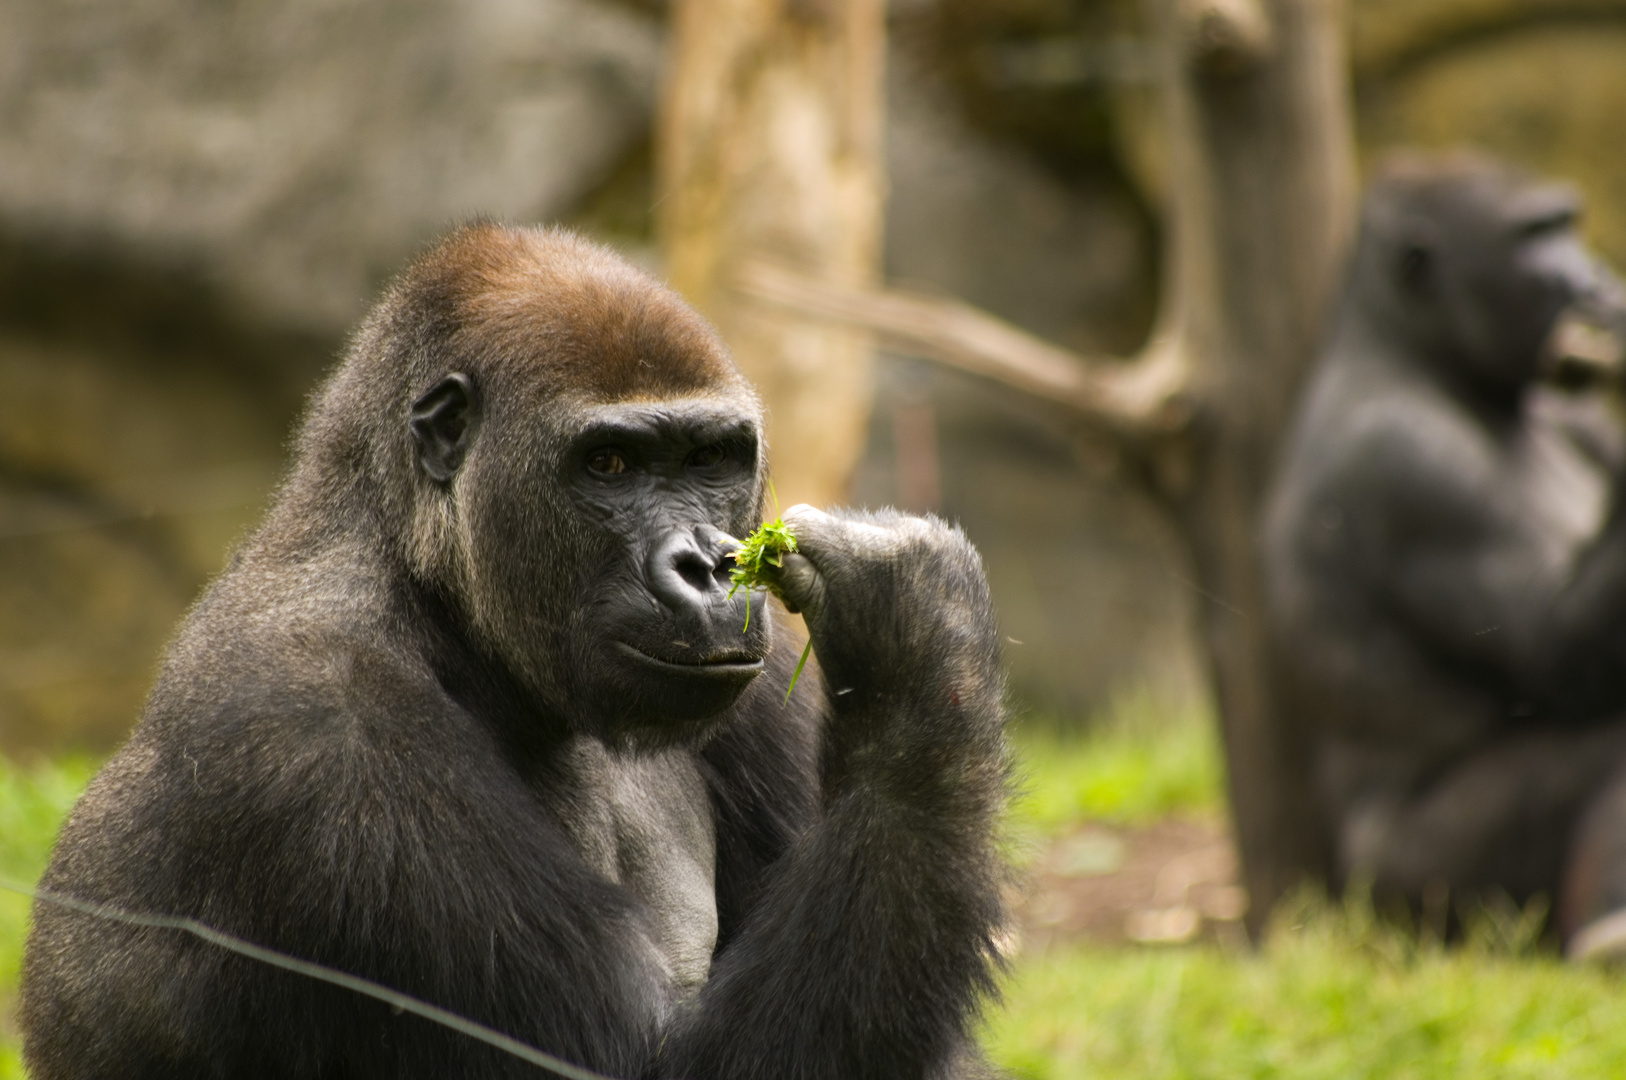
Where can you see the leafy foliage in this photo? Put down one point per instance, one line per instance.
(768, 546)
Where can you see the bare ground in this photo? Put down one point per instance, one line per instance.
(1167, 883)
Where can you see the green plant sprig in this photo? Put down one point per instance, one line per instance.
(768, 546)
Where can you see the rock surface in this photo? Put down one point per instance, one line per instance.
(296, 152)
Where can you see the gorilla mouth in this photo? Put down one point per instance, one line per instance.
(726, 662)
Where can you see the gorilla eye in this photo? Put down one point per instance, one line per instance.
(1556, 221)
(707, 456)
(607, 463)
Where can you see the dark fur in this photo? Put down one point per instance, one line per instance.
(1446, 544)
(383, 739)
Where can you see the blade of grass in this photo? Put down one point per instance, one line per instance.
(799, 665)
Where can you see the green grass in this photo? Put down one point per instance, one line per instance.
(1138, 762)
(1332, 994)
(33, 802)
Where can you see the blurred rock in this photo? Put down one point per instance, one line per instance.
(297, 152)
(1539, 83)
(1070, 258)
(124, 478)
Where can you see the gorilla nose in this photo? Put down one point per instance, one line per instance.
(688, 571)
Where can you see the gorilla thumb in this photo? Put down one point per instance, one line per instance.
(801, 586)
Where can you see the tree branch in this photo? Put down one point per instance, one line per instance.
(1227, 37)
(1138, 398)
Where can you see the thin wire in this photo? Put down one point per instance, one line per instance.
(314, 971)
(1205, 594)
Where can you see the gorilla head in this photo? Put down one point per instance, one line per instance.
(1471, 262)
(561, 450)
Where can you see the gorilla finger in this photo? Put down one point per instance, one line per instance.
(807, 520)
(801, 586)
(819, 535)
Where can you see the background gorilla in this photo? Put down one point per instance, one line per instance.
(473, 715)
(1447, 551)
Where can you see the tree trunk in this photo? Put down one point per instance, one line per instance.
(770, 147)
(1261, 203)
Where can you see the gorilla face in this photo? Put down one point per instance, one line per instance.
(1487, 261)
(598, 539)
(665, 490)
(1515, 273)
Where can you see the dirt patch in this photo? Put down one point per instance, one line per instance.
(1167, 883)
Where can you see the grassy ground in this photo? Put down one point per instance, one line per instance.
(1140, 762)
(1331, 995)
(33, 802)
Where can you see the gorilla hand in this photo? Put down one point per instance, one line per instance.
(901, 620)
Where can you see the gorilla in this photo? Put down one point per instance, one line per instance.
(1445, 550)
(475, 715)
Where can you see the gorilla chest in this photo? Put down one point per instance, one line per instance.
(645, 822)
(1561, 496)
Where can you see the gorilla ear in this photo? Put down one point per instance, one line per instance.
(443, 422)
(1415, 267)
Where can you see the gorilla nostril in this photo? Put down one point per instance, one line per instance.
(694, 569)
(688, 571)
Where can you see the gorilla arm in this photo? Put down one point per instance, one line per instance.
(1459, 570)
(1580, 658)
(1461, 542)
(872, 940)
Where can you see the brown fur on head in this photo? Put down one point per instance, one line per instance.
(548, 327)
(573, 316)
(1457, 184)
